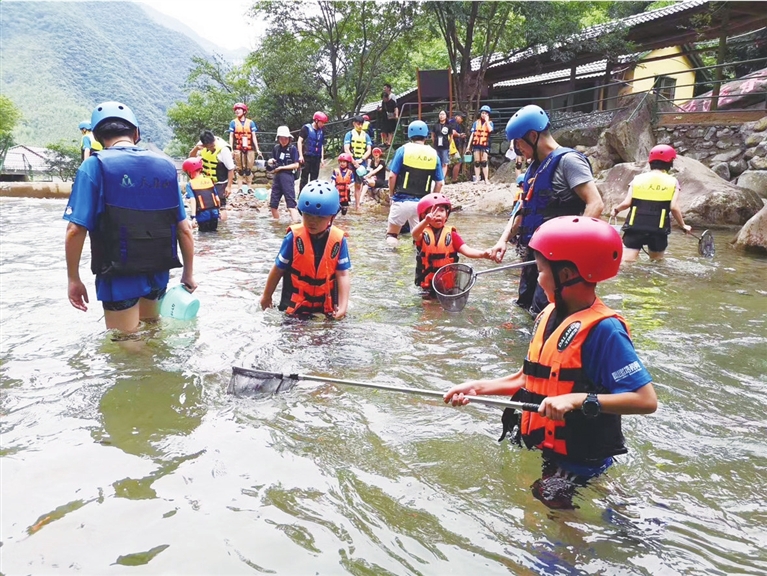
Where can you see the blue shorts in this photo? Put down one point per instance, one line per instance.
(444, 156)
(283, 184)
(480, 148)
(121, 305)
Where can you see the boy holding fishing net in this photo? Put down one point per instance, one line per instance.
(436, 243)
(313, 262)
(581, 365)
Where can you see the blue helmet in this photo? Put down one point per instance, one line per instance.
(84, 125)
(417, 129)
(107, 110)
(520, 179)
(530, 117)
(485, 108)
(319, 198)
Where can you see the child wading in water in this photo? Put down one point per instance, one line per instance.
(581, 365)
(313, 262)
(437, 244)
(343, 177)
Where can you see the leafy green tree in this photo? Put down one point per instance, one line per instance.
(349, 40)
(64, 160)
(9, 117)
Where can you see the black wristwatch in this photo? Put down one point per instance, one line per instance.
(591, 407)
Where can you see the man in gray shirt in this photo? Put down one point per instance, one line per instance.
(557, 183)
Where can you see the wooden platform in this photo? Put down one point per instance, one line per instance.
(716, 118)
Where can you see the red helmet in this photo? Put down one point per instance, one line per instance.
(377, 151)
(430, 201)
(240, 105)
(320, 117)
(662, 152)
(192, 165)
(592, 245)
(346, 157)
(365, 117)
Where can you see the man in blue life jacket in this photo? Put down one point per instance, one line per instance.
(128, 200)
(311, 148)
(414, 168)
(558, 182)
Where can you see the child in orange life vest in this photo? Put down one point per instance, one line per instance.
(581, 365)
(437, 244)
(313, 262)
(204, 209)
(343, 177)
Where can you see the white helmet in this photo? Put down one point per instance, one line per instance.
(284, 131)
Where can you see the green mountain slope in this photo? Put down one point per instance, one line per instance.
(59, 59)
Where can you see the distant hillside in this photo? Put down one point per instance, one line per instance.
(59, 59)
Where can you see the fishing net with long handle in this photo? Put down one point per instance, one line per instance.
(706, 246)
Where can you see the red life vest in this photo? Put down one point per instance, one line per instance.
(433, 254)
(343, 180)
(243, 134)
(554, 367)
(310, 289)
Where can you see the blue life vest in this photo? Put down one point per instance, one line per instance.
(314, 141)
(137, 228)
(545, 204)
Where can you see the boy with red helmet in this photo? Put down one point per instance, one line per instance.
(244, 143)
(343, 177)
(437, 244)
(205, 208)
(651, 197)
(581, 363)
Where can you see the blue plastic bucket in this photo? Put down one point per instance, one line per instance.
(261, 193)
(361, 171)
(468, 158)
(179, 303)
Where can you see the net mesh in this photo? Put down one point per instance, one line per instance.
(246, 382)
(452, 284)
(706, 245)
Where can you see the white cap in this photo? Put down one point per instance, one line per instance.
(284, 131)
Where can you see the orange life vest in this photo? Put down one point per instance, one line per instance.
(204, 193)
(553, 367)
(306, 288)
(243, 135)
(433, 254)
(481, 134)
(343, 179)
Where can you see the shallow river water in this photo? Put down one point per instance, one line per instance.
(117, 462)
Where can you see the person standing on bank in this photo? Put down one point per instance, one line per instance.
(479, 142)
(218, 165)
(558, 182)
(311, 148)
(88, 144)
(389, 116)
(458, 134)
(122, 196)
(652, 196)
(284, 162)
(413, 169)
(441, 138)
(243, 140)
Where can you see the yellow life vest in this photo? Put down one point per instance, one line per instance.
(95, 144)
(418, 165)
(359, 144)
(210, 160)
(651, 202)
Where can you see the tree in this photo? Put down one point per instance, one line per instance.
(349, 39)
(9, 117)
(64, 160)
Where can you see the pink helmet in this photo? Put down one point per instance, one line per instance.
(240, 105)
(430, 201)
(365, 117)
(346, 157)
(592, 245)
(192, 165)
(320, 117)
(662, 152)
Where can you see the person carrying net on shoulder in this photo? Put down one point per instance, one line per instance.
(437, 244)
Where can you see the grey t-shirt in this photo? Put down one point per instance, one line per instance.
(572, 171)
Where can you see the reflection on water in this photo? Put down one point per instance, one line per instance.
(118, 458)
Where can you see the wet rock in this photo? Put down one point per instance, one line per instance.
(722, 170)
(726, 156)
(630, 135)
(757, 163)
(755, 180)
(737, 167)
(753, 236)
(505, 174)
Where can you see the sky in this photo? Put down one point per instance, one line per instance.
(225, 24)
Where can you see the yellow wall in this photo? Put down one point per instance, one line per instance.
(678, 67)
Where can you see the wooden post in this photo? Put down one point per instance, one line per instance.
(450, 92)
(571, 89)
(720, 57)
(418, 84)
(606, 86)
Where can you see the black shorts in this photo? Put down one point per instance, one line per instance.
(220, 188)
(120, 305)
(655, 241)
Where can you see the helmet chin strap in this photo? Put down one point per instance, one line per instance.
(533, 145)
(558, 286)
